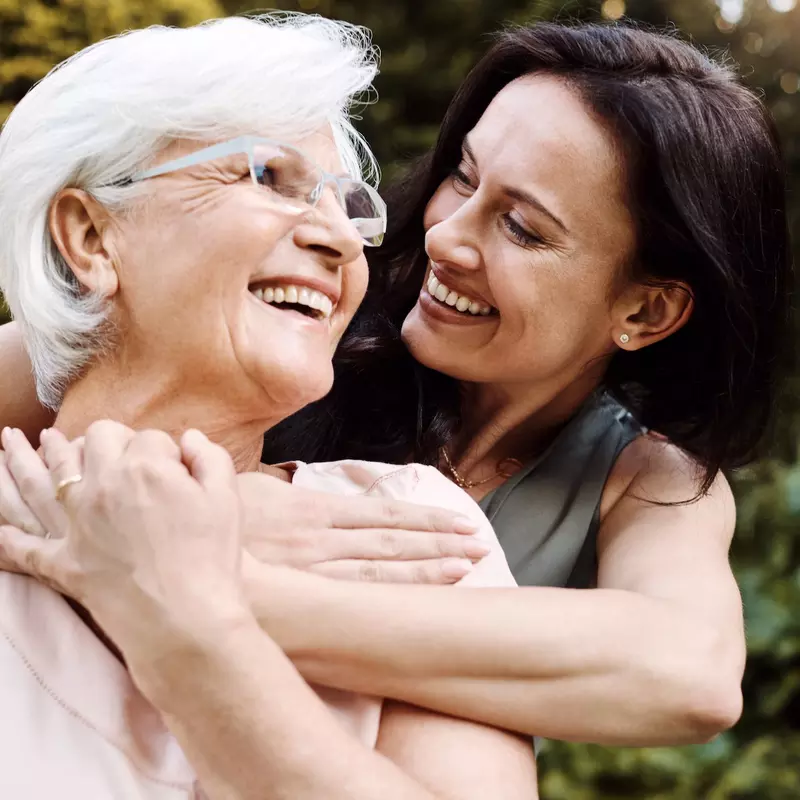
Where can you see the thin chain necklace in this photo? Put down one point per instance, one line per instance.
(506, 467)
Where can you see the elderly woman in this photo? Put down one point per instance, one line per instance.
(185, 250)
(588, 273)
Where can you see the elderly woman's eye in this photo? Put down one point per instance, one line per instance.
(266, 176)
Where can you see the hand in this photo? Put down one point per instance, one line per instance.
(27, 496)
(347, 538)
(153, 547)
(355, 538)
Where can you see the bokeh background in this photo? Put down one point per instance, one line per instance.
(427, 47)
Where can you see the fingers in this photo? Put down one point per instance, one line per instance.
(209, 464)
(153, 444)
(34, 484)
(401, 545)
(106, 442)
(13, 509)
(64, 460)
(28, 555)
(369, 512)
(432, 571)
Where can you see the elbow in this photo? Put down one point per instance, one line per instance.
(711, 708)
(699, 690)
(708, 697)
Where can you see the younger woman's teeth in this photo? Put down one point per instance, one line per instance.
(462, 303)
(319, 303)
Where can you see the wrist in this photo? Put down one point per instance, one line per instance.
(287, 602)
(180, 660)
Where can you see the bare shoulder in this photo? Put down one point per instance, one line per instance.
(651, 472)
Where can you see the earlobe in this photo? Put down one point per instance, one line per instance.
(80, 229)
(654, 313)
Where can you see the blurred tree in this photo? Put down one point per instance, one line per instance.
(427, 47)
(37, 34)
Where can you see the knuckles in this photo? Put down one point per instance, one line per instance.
(368, 572)
(390, 545)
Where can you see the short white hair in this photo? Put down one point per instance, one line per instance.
(105, 112)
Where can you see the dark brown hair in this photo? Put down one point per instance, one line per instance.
(707, 186)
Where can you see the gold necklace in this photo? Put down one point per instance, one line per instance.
(500, 472)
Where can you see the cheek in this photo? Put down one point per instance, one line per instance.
(552, 302)
(354, 287)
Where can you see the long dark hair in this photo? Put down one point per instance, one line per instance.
(707, 186)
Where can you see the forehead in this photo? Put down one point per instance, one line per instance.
(321, 148)
(538, 132)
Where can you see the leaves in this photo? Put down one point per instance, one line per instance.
(35, 35)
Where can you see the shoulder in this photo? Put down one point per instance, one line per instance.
(652, 472)
(418, 484)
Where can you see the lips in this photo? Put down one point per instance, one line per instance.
(309, 302)
(459, 302)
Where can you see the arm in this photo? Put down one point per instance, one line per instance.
(279, 741)
(19, 406)
(249, 723)
(653, 656)
(660, 642)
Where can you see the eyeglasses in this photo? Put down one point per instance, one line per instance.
(299, 182)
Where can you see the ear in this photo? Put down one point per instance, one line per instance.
(82, 231)
(646, 314)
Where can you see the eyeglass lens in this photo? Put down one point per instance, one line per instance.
(298, 181)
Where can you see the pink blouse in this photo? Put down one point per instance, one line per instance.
(73, 725)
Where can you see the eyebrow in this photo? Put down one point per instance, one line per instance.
(518, 194)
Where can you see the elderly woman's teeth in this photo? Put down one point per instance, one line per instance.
(319, 305)
(460, 302)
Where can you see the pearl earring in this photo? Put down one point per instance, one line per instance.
(624, 338)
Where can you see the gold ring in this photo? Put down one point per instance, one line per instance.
(61, 486)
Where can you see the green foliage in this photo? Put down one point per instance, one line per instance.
(37, 34)
(427, 47)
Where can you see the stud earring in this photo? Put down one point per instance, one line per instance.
(624, 338)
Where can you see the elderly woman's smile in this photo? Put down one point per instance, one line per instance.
(313, 303)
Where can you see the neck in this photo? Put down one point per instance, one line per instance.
(515, 421)
(143, 398)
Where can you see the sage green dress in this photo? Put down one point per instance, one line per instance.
(547, 515)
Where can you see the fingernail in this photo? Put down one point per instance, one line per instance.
(475, 548)
(44, 434)
(4, 436)
(465, 525)
(456, 567)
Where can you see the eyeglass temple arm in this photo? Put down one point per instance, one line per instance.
(240, 145)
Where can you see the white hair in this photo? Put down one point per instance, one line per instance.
(105, 112)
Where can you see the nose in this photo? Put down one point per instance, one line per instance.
(328, 232)
(453, 239)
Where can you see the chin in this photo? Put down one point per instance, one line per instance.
(293, 387)
(430, 351)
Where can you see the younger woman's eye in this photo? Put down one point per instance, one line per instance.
(461, 178)
(520, 235)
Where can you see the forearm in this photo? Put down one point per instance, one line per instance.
(254, 730)
(19, 406)
(604, 666)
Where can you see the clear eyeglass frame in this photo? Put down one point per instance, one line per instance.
(361, 202)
